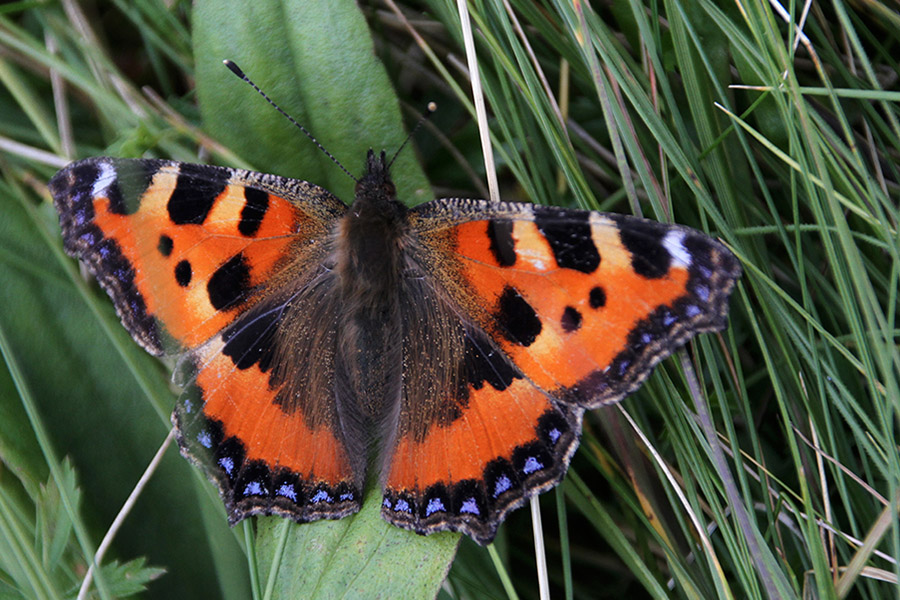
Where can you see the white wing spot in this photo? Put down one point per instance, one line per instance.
(105, 179)
(674, 243)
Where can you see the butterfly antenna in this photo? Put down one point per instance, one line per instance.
(429, 110)
(237, 71)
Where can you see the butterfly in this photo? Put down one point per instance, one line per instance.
(445, 352)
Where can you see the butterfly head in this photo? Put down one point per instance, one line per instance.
(375, 190)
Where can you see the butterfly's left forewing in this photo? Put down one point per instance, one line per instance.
(552, 311)
(584, 303)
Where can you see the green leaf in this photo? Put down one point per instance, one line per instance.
(103, 401)
(357, 557)
(316, 60)
(129, 578)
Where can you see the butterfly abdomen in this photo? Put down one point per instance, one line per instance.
(369, 260)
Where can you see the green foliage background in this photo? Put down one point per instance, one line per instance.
(775, 476)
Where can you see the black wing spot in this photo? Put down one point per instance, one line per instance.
(486, 364)
(569, 234)
(196, 190)
(597, 297)
(183, 273)
(571, 320)
(644, 240)
(229, 283)
(519, 322)
(132, 179)
(250, 341)
(503, 246)
(165, 245)
(253, 212)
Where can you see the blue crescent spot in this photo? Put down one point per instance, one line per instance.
(321, 496)
(288, 491)
(554, 435)
(205, 439)
(434, 505)
(469, 506)
(402, 506)
(254, 488)
(531, 465)
(501, 485)
(227, 463)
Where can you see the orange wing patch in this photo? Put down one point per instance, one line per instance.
(194, 277)
(467, 475)
(248, 408)
(581, 321)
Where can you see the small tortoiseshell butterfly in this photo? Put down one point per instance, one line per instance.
(448, 350)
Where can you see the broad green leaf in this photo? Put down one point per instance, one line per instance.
(316, 60)
(87, 394)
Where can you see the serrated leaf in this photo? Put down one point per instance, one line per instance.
(55, 521)
(129, 578)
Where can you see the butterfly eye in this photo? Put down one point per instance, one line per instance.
(388, 188)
